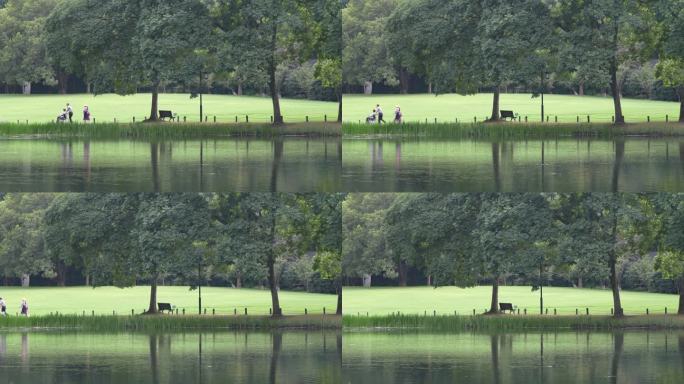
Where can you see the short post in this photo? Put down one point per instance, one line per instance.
(132, 312)
(434, 313)
(176, 311)
(547, 311)
(646, 311)
(205, 311)
(134, 119)
(435, 120)
(576, 311)
(612, 119)
(113, 313)
(556, 118)
(588, 119)
(475, 119)
(93, 120)
(236, 119)
(518, 311)
(587, 311)
(306, 311)
(667, 118)
(307, 118)
(473, 311)
(519, 118)
(247, 118)
(325, 118)
(324, 310)
(525, 311)
(183, 311)
(214, 119)
(425, 313)
(547, 118)
(554, 312)
(185, 119)
(206, 118)
(578, 119)
(666, 310)
(611, 311)
(213, 311)
(648, 119)
(270, 311)
(246, 311)
(526, 119)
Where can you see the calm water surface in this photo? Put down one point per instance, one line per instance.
(564, 165)
(567, 357)
(221, 165)
(291, 357)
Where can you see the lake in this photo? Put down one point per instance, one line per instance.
(216, 165)
(205, 358)
(563, 165)
(533, 357)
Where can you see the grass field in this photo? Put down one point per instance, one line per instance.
(106, 108)
(445, 300)
(447, 108)
(104, 300)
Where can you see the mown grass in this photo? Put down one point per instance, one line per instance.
(168, 322)
(108, 107)
(451, 323)
(513, 130)
(159, 131)
(449, 107)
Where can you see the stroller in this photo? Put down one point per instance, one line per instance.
(62, 117)
(372, 118)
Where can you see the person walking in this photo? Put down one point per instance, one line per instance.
(3, 307)
(70, 112)
(86, 114)
(378, 110)
(397, 115)
(24, 308)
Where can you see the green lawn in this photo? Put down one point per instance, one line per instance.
(104, 300)
(446, 108)
(446, 300)
(105, 108)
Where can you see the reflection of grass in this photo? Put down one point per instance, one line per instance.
(446, 108)
(445, 300)
(106, 108)
(168, 131)
(507, 131)
(453, 323)
(103, 300)
(170, 322)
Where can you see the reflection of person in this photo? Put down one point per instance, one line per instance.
(70, 112)
(378, 110)
(24, 308)
(397, 115)
(3, 307)
(86, 114)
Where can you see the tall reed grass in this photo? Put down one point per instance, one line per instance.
(153, 131)
(451, 323)
(512, 131)
(170, 322)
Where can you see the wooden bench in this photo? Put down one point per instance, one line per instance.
(164, 307)
(166, 115)
(503, 307)
(508, 115)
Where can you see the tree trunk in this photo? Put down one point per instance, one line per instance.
(494, 306)
(25, 280)
(154, 163)
(496, 160)
(680, 310)
(275, 302)
(617, 354)
(275, 354)
(62, 80)
(338, 311)
(154, 110)
(272, 84)
(87, 279)
(26, 88)
(681, 104)
(153, 297)
(580, 283)
(368, 88)
(614, 85)
(238, 282)
(430, 88)
(339, 107)
(495, 105)
(239, 90)
(367, 280)
(617, 165)
(614, 284)
(61, 274)
(403, 81)
(402, 273)
(88, 89)
(581, 88)
(429, 280)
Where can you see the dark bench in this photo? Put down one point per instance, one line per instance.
(508, 115)
(503, 307)
(164, 307)
(166, 115)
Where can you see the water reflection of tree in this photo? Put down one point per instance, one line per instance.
(617, 165)
(277, 340)
(278, 147)
(154, 160)
(496, 161)
(618, 346)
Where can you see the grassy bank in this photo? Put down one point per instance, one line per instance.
(445, 300)
(169, 130)
(169, 322)
(513, 130)
(108, 300)
(451, 323)
(449, 107)
(108, 107)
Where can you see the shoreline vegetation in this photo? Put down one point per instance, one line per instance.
(169, 130)
(460, 323)
(515, 130)
(168, 322)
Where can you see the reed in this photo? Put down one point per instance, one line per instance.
(512, 131)
(452, 323)
(170, 322)
(158, 131)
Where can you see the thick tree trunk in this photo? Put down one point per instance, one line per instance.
(275, 354)
(272, 84)
(87, 279)
(62, 80)
(581, 88)
(278, 149)
(681, 104)
(154, 110)
(239, 90)
(429, 280)
(26, 88)
(402, 273)
(617, 165)
(429, 88)
(495, 105)
(238, 282)
(61, 274)
(368, 88)
(680, 310)
(153, 297)
(339, 107)
(494, 347)
(494, 306)
(154, 163)
(580, 283)
(154, 360)
(496, 162)
(618, 347)
(614, 84)
(612, 260)
(275, 302)
(367, 281)
(403, 81)
(88, 88)
(338, 311)
(25, 280)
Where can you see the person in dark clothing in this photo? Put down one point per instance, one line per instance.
(70, 112)
(378, 110)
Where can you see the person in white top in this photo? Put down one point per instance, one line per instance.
(378, 110)
(70, 112)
